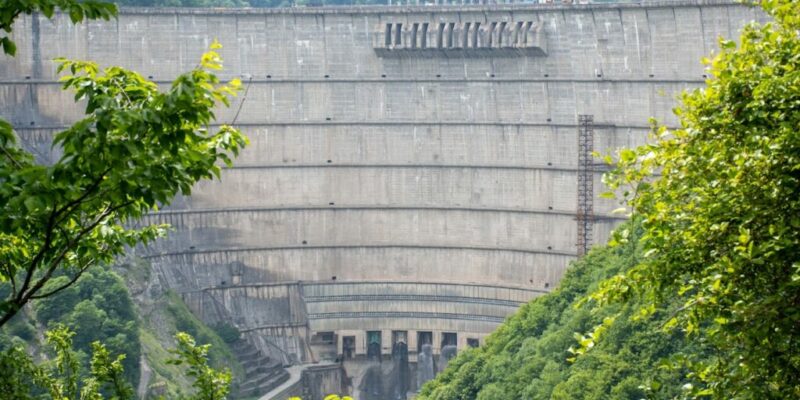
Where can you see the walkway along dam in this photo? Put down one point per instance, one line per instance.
(415, 173)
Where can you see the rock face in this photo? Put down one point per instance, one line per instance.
(411, 169)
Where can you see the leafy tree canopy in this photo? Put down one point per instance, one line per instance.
(77, 10)
(722, 222)
(63, 378)
(209, 383)
(97, 308)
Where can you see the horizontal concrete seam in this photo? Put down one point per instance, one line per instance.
(411, 297)
(275, 326)
(401, 80)
(600, 167)
(405, 314)
(304, 284)
(394, 123)
(404, 9)
(380, 208)
(351, 247)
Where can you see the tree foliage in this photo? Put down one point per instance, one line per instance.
(134, 151)
(209, 383)
(722, 222)
(529, 357)
(78, 11)
(63, 378)
(97, 308)
(21, 378)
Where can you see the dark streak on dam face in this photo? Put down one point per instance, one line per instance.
(412, 171)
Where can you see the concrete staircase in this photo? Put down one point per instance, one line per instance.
(262, 373)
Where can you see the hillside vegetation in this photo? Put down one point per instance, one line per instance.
(96, 308)
(528, 357)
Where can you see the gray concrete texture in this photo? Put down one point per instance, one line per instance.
(429, 168)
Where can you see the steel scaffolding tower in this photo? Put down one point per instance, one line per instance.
(585, 216)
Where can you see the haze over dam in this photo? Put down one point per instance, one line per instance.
(413, 171)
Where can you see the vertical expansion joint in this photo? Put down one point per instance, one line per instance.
(585, 214)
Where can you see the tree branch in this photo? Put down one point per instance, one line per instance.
(67, 247)
(10, 157)
(124, 93)
(51, 226)
(68, 208)
(13, 281)
(24, 296)
(241, 103)
(74, 279)
(48, 241)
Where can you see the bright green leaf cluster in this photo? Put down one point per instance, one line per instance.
(23, 379)
(209, 383)
(587, 342)
(63, 379)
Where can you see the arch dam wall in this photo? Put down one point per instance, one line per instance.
(413, 170)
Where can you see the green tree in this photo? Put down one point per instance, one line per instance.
(134, 151)
(528, 356)
(722, 219)
(209, 383)
(21, 378)
(59, 305)
(63, 378)
(97, 307)
(10, 10)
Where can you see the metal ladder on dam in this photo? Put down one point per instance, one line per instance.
(585, 212)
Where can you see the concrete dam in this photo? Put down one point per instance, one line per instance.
(415, 173)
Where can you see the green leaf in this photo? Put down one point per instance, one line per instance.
(9, 47)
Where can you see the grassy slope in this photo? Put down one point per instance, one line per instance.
(526, 358)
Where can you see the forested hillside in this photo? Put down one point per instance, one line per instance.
(529, 357)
